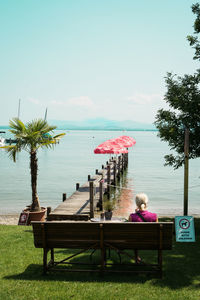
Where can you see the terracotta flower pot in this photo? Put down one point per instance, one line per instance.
(36, 215)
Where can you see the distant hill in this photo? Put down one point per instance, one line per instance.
(102, 124)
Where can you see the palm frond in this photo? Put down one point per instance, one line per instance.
(33, 135)
(58, 136)
(40, 125)
(12, 151)
(17, 126)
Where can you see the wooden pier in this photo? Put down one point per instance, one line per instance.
(88, 198)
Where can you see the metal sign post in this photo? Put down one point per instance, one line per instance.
(186, 168)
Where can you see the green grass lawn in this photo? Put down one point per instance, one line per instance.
(21, 274)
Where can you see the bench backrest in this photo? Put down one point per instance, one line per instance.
(77, 235)
(57, 234)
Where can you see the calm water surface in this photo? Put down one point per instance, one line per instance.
(73, 160)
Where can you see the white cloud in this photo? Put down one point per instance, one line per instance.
(83, 101)
(59, 103)
(34, 101)
(141, 99)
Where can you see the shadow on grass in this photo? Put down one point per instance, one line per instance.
(34, 272)
(180, 270)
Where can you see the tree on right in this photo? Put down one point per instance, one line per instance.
(183, 98)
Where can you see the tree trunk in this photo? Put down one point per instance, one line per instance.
(35, 206)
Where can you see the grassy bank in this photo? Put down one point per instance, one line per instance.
(21, 274)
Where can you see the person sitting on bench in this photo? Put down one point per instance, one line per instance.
(142, 215)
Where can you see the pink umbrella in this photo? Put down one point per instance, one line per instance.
(115, 146)
(122, 141)
(126, 141)
(108, 148)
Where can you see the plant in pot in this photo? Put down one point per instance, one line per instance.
(108, 207)
(30, 137)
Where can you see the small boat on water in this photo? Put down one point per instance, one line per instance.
(2, 140)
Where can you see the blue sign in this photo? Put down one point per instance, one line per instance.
(184, 229)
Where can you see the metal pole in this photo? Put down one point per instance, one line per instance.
(186, 168)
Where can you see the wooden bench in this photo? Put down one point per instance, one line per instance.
(106, 235)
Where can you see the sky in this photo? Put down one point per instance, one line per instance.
(87, 59)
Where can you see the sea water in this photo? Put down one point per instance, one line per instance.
(73, 159)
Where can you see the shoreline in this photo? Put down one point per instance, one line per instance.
(9, 219)
(12, 219)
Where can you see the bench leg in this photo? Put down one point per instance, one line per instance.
(45, 251)
(103, 259)
(137, 258)
(160, 263)
(52, 256)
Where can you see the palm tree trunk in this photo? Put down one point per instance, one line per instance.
(35, 206)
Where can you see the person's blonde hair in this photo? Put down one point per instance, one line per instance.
(141, 201)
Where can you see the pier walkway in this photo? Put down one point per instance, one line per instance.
(89, 197)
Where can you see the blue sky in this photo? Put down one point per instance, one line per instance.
(91, 59)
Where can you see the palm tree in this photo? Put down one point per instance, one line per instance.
(30, 137)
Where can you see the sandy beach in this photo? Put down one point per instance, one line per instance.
(9, 219)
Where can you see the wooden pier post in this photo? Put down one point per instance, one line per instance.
(119, 167)
(91, 199)
(122, 163)
(115, 172)
(88, 177)
(108, 180)
(126, 160)
(101, 195)
(48, 211)
(97, 171)
(77, 186)
(64, 196)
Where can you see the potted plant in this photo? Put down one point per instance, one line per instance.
(108, 207)
(30, 137)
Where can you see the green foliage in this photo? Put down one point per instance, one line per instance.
(194, 40)
(183, 97)
(31, 137)
(109, 205)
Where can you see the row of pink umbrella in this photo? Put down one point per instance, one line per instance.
(115, 146)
